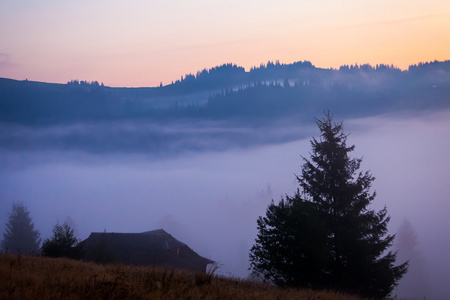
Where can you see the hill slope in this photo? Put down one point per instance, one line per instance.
(27, 277)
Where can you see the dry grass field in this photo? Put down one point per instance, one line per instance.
(27, 277)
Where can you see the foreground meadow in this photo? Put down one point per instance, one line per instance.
(27, 277)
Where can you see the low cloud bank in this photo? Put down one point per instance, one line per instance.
(211, 199)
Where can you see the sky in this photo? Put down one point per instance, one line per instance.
(145, 43)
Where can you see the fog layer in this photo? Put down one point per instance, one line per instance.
(211, 199)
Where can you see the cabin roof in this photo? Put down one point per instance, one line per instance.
(155, 247)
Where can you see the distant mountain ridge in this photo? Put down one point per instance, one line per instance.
(228, 91)
(215, 109)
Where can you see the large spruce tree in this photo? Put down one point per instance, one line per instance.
(326, 235)
(20, 235)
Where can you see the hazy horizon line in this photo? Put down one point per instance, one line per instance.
(245, 69)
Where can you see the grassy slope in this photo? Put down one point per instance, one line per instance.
(27, 277)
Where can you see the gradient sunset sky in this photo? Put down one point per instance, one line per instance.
(143, 43)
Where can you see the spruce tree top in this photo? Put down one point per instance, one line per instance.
(330, 178)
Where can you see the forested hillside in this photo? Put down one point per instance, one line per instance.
(216, 109)
(267, 92)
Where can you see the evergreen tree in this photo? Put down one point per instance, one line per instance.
(62, 244)
(20, 235)
(291, 235)
(326, 236)
(415, 284)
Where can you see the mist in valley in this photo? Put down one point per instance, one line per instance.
(210, 197)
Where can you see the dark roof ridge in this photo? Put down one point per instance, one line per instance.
(156, 231)
(151, 232)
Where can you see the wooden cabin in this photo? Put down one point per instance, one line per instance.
(150, 248)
